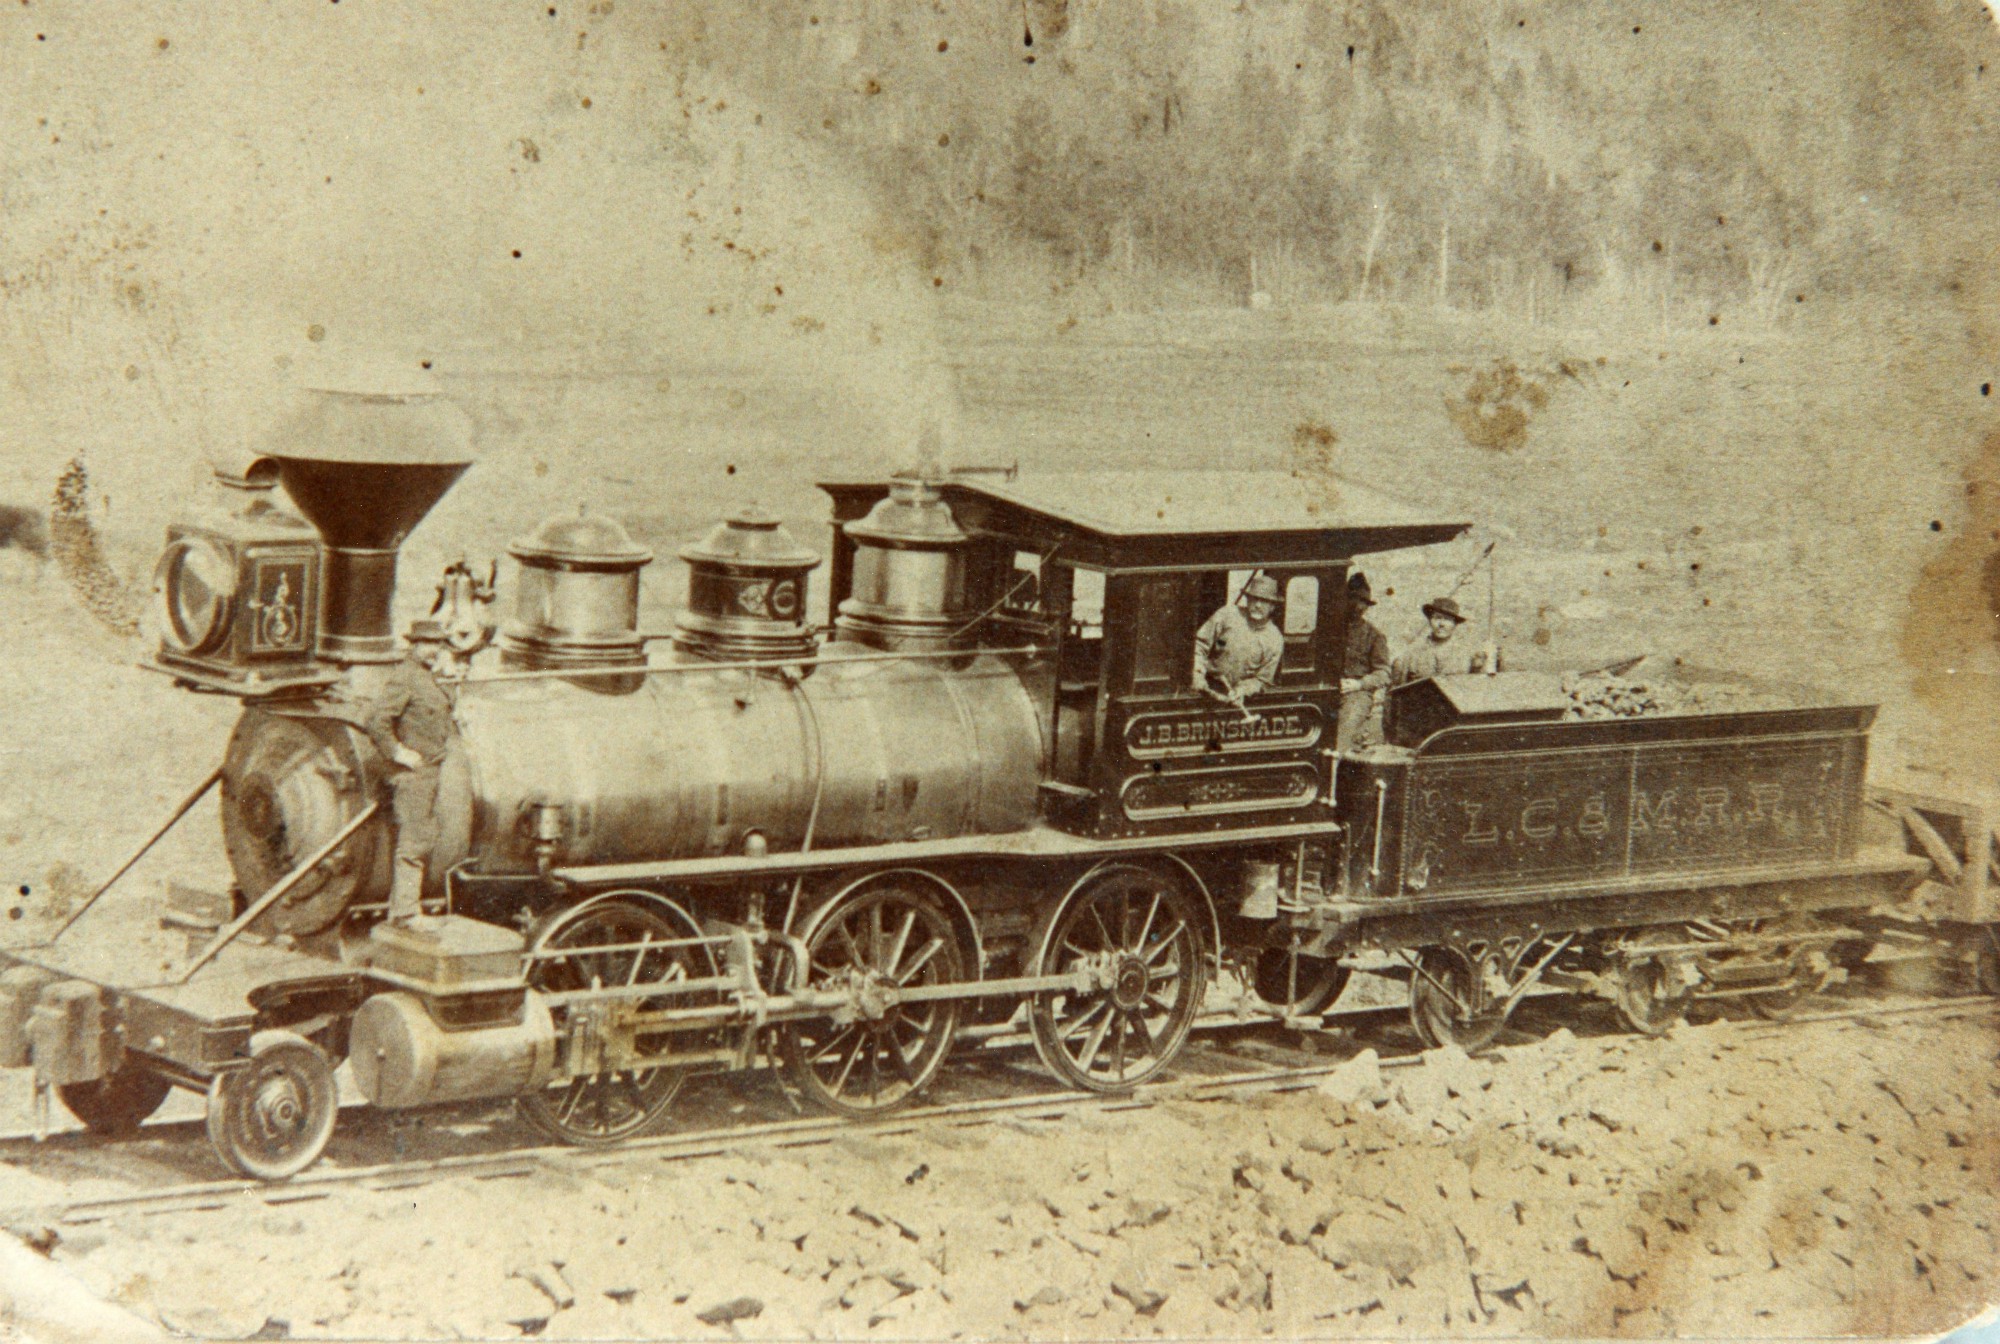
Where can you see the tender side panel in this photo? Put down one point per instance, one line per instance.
(1583, 811)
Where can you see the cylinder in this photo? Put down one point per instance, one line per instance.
(401, 1057)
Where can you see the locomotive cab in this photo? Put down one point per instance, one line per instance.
(1108, 576)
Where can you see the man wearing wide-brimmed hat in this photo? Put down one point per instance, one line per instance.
(1434, 654)
(1364, 669)
(1236, 651)
(410, 724)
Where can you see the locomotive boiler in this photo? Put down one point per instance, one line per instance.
(742, 738)
(989, 789)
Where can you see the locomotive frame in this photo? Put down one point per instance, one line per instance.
(1489, 847)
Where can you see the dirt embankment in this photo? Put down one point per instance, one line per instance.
(1823, 1180)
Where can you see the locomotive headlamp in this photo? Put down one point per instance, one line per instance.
(238, 595)
(197, 586)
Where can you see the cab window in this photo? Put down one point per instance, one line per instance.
(1301, 606)
(1163, 633)
(1299, 622)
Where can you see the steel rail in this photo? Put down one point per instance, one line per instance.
(810, 1131)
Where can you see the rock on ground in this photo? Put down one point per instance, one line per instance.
(1833, 1178)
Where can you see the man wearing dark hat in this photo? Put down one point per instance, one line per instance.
(1364, 669)
(1236, 651)
(409, 721)
(1435, 654)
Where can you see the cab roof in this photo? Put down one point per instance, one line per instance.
(1151, 519)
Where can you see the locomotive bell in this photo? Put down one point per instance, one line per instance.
(576, 605)
(908, 589)
(746, 591)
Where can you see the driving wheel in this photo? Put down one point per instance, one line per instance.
(644, 941)
(1134, 935)
(271, 1117)
(873, 944)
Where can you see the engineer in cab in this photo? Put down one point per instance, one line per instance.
(1237, 650)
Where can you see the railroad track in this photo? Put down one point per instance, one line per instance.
(1208, 1070)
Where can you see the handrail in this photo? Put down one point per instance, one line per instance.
(284, 884)
(744, 665)
(187, 806)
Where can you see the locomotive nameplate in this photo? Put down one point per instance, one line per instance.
(1218, 791)
(1199, 732)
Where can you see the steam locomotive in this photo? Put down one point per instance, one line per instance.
(988, 792)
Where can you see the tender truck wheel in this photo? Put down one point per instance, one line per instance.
(1648, 999)
(1986, 960)
(1450, 1005)
(271, 1118)
(1298, 986)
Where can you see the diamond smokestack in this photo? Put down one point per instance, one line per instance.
(364, 467)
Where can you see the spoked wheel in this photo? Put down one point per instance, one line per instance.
(116, 1106)
(605, 1105)
(887, 936)
(1649, 998)
(1136, 933)
(271, 1118)
(1810, 972)
(1450, 1003)
(1297, 986)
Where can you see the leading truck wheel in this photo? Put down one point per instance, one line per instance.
(116, 1106)
(271, 1118)
(1134, 935)
(1450, 1004)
